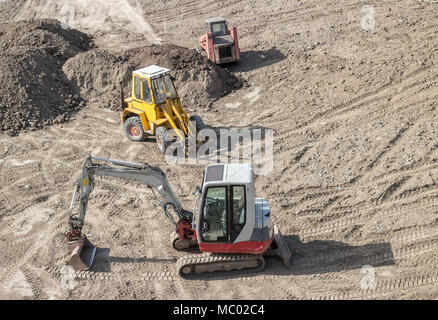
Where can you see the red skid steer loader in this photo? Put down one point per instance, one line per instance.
(219, 42)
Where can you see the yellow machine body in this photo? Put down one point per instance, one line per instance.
(155, 101)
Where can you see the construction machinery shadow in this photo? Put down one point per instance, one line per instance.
(103, 260)
(310, 258)
(256, 134)
(252, 129)
(325, 256)
(319, 257)
(256, 59)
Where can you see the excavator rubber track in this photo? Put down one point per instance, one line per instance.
(190, 266)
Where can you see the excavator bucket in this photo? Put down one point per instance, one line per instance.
(280, 248)
(81, 253)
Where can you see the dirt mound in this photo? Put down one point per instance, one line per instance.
(198, 80)
(50, 35)
(34, 91)
(97, 74)
(48, 68)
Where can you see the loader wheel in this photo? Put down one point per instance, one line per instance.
(198, 122)
(162, 139)
(134, 129)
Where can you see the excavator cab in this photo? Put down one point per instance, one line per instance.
(224, 210)
(230, 219)
(232, 226)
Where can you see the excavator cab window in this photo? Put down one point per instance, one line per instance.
(214, 226)
(238, 215)
(224, 214)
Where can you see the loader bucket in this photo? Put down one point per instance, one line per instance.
(280, 248)
(81, 253)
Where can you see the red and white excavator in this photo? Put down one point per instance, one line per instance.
(232, 228)
(220, 42)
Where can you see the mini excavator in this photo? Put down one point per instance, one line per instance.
(232, 229)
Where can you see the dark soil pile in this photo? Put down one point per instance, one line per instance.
(48, 72)
(34, 91)
(198, 80)
(97, 73)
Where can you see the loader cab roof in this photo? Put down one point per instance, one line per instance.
(152, 72)
(225, 174)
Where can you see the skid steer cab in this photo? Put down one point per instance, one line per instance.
(154, 108)
(219, 42)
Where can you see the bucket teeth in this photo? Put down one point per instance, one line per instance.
(81, 253)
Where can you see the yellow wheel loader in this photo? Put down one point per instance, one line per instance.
(154, 108)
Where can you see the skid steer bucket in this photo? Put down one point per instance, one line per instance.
(280, 248)
(81, 253)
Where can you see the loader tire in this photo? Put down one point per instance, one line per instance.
(134, 129)
(163, 140)
(198, 123)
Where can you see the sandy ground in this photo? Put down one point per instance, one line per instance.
(355, 180)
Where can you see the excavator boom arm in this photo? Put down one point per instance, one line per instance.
(151, 176)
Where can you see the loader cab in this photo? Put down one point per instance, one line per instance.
(154, 108)
(151, 88)
(151, 85)
(226, 211)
